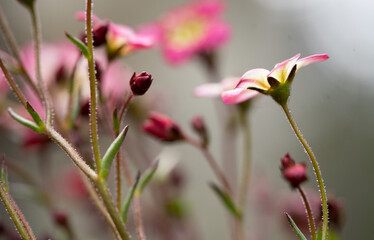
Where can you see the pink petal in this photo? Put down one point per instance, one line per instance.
(81, 16)
(209, 90)
(311, 59)
(256, 78)
(283, 69)
(209, 8)
(237, 95)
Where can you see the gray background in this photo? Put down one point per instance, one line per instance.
(331, 101)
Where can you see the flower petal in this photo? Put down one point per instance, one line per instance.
(281, 70)
(208, 90)
(255, 78)
(311, 59)
(237, 95)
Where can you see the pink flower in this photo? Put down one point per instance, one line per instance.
(163, 128)
(190, 29)
(220, 89)
(121, 39)
(275, 82)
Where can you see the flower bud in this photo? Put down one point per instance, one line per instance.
(163, 128)
(198, 125)
(294, 173)
(140, 83)
(60, 218)
(98, 35)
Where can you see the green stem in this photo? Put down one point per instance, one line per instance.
(316, 168)
(93, 86)
(15, 214)
(114, 214)
(309, 212)
(13, 84)
(12, 43)
(246, 170)
(42, 88)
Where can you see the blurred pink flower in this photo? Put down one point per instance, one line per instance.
(121, 39)
(190, 29)
(220, 89)
(266, 81)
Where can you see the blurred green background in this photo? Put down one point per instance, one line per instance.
(331, 101)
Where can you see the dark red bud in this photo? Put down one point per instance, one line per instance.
(163, 128)
(294, 173)
(60, 218)
(140, 83)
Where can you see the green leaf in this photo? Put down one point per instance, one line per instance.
(24, 121)
(129, 197)
(116, 122)
(295, 228)
(107, 160)
(77, 42)
(147, 176)
(226, 200)
(35, 116)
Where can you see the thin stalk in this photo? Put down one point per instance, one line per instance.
(93, 87)
(12, 43)
(105, 195)
(312, 226)
(124, 106)
(43, 90)
(246, 171)
(212, 163)
(13, 84)
(138, 218)
(15, 214)
(99, 204)
(316, 169)
(118, 180)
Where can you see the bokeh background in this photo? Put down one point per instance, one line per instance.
(331, 101)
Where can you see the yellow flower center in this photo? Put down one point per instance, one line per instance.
(187, 34)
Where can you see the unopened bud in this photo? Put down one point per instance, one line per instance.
(60, 218)
(198, 125)
(294, 173)
(140, 83)
(98, 35)
(163, 128)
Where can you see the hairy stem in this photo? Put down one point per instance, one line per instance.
(309, 212)
(105, 195)
(12, 43)
(15, 214)
(316, 169)
(43, 90)
(93, 86)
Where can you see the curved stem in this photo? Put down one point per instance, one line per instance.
(317, 171)
(212, 163)
(93, 86)
(309, 212)
(41, 85)
(246, 170)
(138, 218)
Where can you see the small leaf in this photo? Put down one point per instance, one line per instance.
(24, 121)
(295, 228)
(147, 176)
(77, 42)
(116, 122)
(225, 198)
(107, 160)
(35, 116)
(129, 197)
